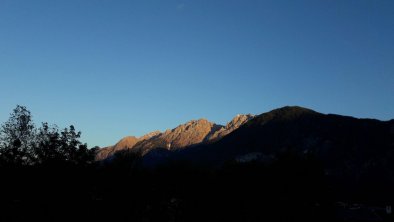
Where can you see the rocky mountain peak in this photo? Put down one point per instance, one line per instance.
(234, 124)
(190, 133)
(149, 135)
(126, 143)
(238, 120)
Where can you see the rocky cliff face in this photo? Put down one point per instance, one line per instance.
(125, 143)
(190, 133)
(185, 135)
(234, 124)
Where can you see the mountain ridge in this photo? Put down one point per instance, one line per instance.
(331, 137)
(340, 142)
(191, 133)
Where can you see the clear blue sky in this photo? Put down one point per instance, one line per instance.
(116, 68)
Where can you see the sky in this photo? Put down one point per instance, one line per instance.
(116, 68)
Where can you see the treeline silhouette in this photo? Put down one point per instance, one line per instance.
(23, 144)
(48, 174)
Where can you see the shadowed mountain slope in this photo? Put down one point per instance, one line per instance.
(345, 145)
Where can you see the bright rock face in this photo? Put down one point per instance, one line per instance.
(234, 124)
(191, 133)
(188, 134)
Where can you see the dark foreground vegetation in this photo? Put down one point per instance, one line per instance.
(47, 174)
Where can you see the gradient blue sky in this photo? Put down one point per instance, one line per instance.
(116, 68)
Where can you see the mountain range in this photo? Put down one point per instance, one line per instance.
(264, 136)
(357, 151)
(192, 133)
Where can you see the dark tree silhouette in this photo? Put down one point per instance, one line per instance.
(56, 146)
(48, 144)
(22, 144)
(16, 138)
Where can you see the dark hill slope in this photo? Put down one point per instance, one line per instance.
(342, 143)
